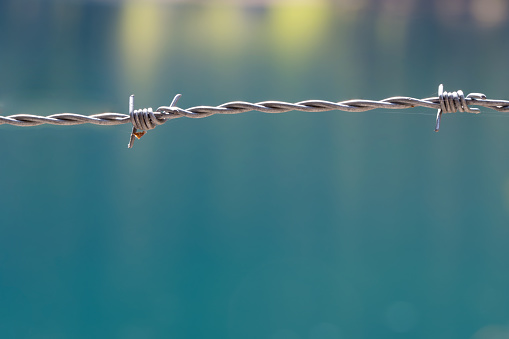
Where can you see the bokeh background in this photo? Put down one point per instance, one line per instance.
(290, 226)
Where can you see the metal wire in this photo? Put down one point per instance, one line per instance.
(146, 119)
(455, 101)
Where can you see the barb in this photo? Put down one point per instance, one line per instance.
(455, 101)
(146, 119)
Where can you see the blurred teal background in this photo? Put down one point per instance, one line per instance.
(290, 226)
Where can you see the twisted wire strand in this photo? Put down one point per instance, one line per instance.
(146, 119)
(65, 119)
(453, 102)
(236, 107)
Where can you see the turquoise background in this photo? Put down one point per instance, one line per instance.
(290, 226)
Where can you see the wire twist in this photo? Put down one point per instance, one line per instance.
(143, 120)
(453, 102)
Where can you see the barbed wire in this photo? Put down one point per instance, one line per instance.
(146, 119)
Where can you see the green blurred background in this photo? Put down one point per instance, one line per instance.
(290, 226)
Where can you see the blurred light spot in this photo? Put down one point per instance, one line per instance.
(141, 37)
(351, 5)
(298, 28)
(401, 316)
(222, 30)
(145, 1)
(492, 332)
(397, 8)
(298, 2)
(489, 13)
(324, 331)
(450, 11)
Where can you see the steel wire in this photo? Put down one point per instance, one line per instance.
(235, 107)
(146, 118)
